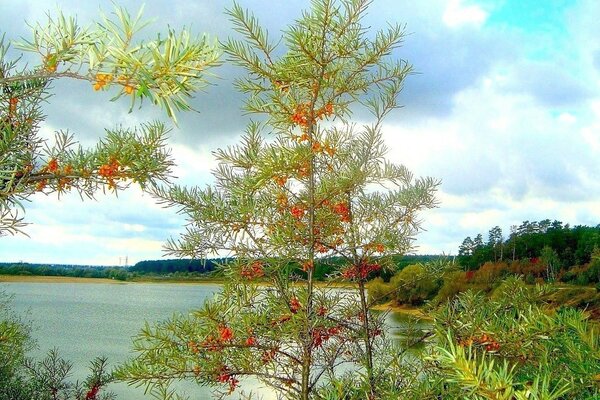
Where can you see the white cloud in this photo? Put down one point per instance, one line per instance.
(457, 14)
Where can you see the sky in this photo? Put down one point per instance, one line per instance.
(504, 109)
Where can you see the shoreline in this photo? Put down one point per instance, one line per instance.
(401, 309)
(71, 279)
(53, 279)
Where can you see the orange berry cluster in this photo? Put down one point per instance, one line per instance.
(53, 167)
(297, 211)
(127, 86)
(111, 171)
(295, 305)
(322, 334)
(303, 170)
(378, 247)
(484, 340)
(128, 89)
(280, 180)
(212, 343)
(102, 80)
(268, 356)
(225, 376)
(360, 271)
(301, 115)
(343, 210)
(225, 333)
(252, 271)
(12, 106)
(307, 265)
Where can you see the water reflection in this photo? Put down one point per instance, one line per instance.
(407, 330)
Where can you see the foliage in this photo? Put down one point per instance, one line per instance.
(318, 189)
(566, 246)
(413, 285)
(23, 379)
(15, 340)
(453, 283)
(511, 346)
(379, 291)
(166, 71)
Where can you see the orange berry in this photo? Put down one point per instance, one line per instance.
(295, 305)
(225, 333)
(280, 180)
(52, 165)
(329, 150)
(41, 185)
(307, 266)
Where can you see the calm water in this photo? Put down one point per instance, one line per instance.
(88, 320)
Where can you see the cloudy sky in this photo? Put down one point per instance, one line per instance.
(504, 109)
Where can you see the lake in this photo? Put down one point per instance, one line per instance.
(86, 320)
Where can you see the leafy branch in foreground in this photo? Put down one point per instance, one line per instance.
(511, 346)
(167, 71)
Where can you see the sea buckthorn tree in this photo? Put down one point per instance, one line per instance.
(108, 55)
(304, 188)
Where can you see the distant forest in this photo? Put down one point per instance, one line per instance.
(172, 268)
(561, 251)
(572, 245)
(558, 252)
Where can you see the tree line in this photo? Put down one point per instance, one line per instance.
(181, 268)
(567, 246)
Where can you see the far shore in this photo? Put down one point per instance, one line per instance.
(53, 279)
(70, 279)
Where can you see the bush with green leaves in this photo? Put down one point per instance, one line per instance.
(414, 285)
(453, 283)
(15, 340)
(512, 346)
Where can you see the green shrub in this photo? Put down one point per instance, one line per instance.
(511, 346)
(413, 285)
(453, 283)
(25, 379)
(529, 279)
(379, 291)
